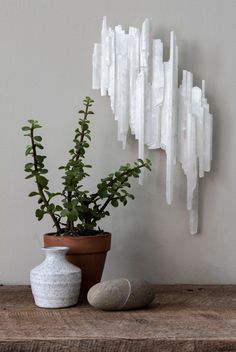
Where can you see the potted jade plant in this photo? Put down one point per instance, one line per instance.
(74, 211)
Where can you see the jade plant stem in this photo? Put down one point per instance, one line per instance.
(40, 189)
(70, 223)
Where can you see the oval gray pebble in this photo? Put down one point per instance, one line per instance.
(121, 294)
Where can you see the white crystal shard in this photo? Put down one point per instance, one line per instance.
(191, 144)
(96, 84)
(182, 123)
(157, 96)
(198, 112)
(111, 73)
(122, 84)
(171, 102)
(145, 45)
(148, 121)
(193, 218)
(140, 108)
(208, 128)
(104, 58)
(208, 140)
(134, 67)
(145, 97)
(165, 105)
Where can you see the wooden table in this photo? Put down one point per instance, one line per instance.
(182, 318)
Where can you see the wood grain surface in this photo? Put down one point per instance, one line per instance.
(182, 318)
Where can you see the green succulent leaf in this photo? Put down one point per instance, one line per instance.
(38, 138)
(39, 214)
(32, 194)
(42, 181)
(114, 203)
(25, 128)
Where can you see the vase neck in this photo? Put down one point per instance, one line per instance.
(55, 252)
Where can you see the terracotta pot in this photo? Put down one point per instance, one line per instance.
(86, 252)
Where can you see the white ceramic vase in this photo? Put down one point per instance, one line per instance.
(55, 282)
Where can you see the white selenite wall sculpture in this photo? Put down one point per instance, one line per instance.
(145, 97)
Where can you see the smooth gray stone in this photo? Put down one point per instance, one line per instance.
(121, 294)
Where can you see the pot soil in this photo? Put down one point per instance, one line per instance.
(86, 252)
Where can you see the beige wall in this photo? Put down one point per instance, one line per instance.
(45, 70)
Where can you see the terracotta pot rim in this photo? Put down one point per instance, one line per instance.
(101, 234)
(80, 244)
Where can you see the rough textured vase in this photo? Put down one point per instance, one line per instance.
(55, 282)
(86, 252)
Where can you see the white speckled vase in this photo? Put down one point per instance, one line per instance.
(55, 282)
